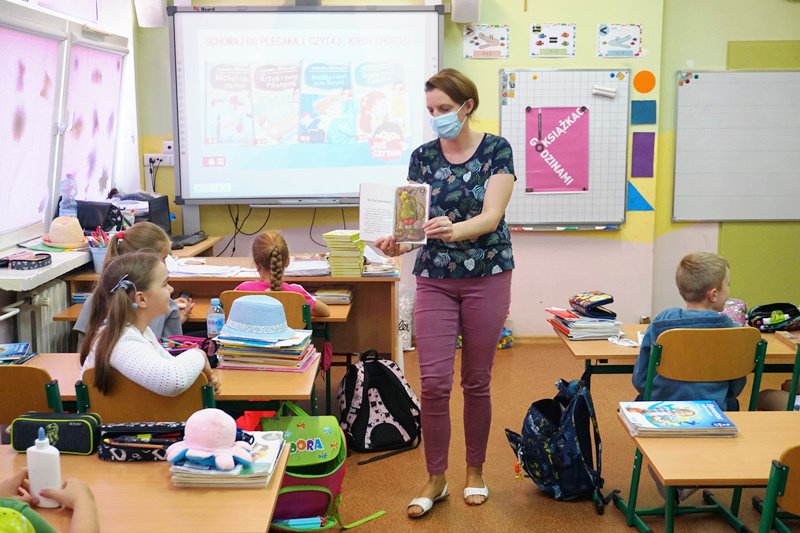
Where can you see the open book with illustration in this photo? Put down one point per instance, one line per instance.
(388, 210)
(702, 418)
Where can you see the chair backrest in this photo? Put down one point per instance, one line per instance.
(25, 388)
(790, 500)
(708, 354)
(298, 312)
(130, 402)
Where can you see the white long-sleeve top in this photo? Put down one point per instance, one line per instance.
(142, 359)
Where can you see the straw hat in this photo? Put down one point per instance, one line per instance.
(257, 317)
(65, 232)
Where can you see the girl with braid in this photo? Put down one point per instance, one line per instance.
(271, 256)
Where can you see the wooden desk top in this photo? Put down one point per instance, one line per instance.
(197, 249)
(236, 384)
(717, 461)
(133, 497)
(777, 352)
(247, 262)
(339, 313)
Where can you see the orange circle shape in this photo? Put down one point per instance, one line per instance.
(644, 81)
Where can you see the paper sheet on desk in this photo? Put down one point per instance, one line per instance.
(308, 268)
(178, 268)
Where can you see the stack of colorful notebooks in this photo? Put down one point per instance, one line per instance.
(291, 355)
(577, 327)
(266, 451)
(346, 253)
(701, 418)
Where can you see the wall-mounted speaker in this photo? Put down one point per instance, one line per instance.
(465, 10)
(151, 13)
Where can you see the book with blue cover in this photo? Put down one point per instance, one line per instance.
(702, 418)
(13, 351)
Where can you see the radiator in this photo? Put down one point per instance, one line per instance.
(35, 321)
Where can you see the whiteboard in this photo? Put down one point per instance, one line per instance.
(603, 202)
(737, 146)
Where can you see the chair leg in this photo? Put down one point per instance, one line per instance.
(629, 508)
(669, 508)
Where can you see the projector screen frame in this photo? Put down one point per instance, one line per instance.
(276, 201)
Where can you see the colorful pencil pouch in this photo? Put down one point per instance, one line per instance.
(590, 303)
(138, 441)
(73, 433)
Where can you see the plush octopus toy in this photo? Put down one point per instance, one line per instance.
(210, 439)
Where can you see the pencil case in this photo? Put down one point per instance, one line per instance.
(590, 303)
(774, 317)
(112, 449)
(72, 433)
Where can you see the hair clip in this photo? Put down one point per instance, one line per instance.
(629, 343)
(125, 283)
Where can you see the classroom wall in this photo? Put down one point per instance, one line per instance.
(636, 264)
(698, 39)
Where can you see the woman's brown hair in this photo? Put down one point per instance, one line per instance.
(271, 254)
(456, 85)
(112, 303)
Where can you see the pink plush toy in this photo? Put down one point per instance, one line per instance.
(210, 439)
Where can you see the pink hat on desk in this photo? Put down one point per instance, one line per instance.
(65, 232)
(257, 317)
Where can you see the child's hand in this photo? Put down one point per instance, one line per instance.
(186, 307)
(214, 380)
(73, 494)
(18, 486)
(787, 385)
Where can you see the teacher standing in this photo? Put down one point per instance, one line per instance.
(463, 277)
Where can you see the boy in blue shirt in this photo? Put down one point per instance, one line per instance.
(703, 280)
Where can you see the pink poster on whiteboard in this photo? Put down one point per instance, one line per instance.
(557, 151)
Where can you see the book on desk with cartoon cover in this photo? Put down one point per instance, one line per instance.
(702, 418)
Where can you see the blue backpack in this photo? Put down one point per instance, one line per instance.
(555, 449)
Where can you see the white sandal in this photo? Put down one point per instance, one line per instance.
(477, 491)
(426, 503)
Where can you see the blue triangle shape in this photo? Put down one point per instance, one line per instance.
(636, 201)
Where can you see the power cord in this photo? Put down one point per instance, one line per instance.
(154, 170)
(238, 228)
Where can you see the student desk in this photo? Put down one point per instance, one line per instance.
(239, 387)
(599, 354)
(141, 497)
(742, 461)
(371, 320)
(203, 248)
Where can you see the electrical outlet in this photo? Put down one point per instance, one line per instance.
(167, 147)
(161, 160)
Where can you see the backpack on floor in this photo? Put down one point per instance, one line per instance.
(379, 411)
(555, 449)
(311, 489)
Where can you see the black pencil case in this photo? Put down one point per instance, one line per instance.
(137, 452)
(73, 433)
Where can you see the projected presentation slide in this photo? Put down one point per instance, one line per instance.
(286, 104)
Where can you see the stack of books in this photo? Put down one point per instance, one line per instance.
(576, 327)
(13, 352)
(346, 255)
(334, 296)
(291, 355)
(701, 418)
(266, 452)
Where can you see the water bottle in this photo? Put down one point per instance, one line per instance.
(44, 469)
(68, 206)
(215, 318)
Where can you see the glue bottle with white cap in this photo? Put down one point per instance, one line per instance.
(44, 469)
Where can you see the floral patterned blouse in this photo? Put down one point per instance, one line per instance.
(457, 192)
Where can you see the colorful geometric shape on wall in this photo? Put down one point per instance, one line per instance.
(636, 201)
(644, 81)
(643, 112)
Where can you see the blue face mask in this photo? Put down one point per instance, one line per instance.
(447, 126)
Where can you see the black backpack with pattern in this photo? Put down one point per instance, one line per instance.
(379, 411)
